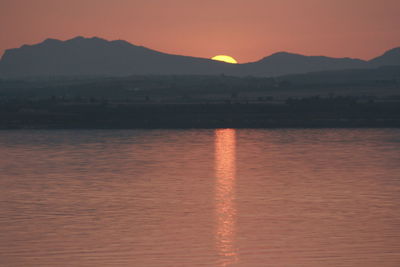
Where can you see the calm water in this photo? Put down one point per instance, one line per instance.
(200, 198)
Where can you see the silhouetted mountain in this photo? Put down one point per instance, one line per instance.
(98, 57)
(94, 56)
(286, 63)
(391, 57)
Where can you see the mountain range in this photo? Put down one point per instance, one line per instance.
(98, 57)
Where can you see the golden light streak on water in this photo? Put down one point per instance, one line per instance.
(225, 168)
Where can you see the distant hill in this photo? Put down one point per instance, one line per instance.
(283, 63)
(98, 57)
(390, 58)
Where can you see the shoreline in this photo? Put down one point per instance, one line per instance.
(203, 116)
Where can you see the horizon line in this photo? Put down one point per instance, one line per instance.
(2, 52)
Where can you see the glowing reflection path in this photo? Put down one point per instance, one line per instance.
(225, 170)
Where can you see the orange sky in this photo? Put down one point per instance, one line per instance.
(248, 30)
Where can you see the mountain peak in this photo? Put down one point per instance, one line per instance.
(77, 38)
(281, 55)
(284, 53)
(390, 57)
(393, 51)
(80, 39)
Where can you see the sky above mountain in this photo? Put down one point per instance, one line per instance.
(247, 30)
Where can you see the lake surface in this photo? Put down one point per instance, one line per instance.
(200, 198)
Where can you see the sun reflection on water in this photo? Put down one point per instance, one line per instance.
(225, 168)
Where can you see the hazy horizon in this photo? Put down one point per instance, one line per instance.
(280, 51)
(120, 39)
(245, 30)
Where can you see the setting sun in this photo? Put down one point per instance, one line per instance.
(225, 58)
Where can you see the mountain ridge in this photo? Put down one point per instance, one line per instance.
(82, 56)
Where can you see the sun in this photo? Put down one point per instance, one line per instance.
(225, 58)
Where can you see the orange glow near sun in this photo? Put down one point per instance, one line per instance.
(225, 58)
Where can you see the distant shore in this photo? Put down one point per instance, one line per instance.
(369, 99)
(295, 114)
